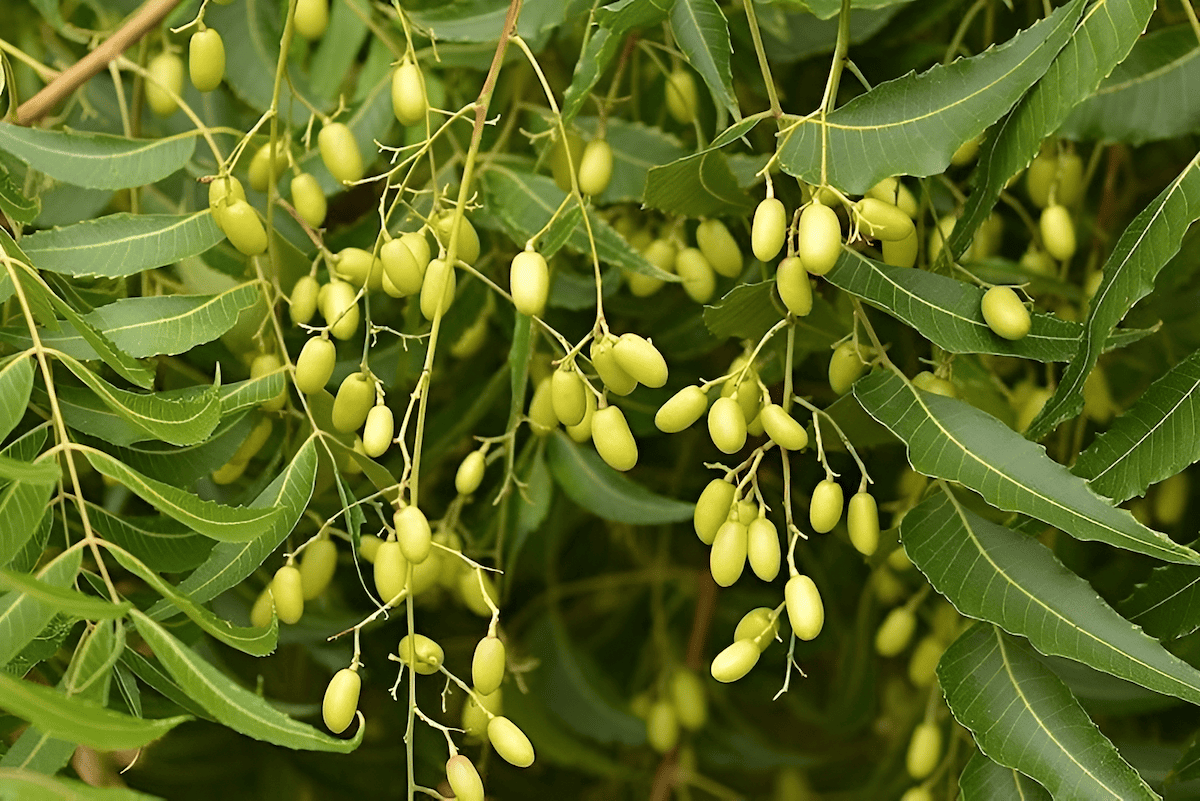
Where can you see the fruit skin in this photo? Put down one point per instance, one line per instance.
(613, 439)
(353, 402)
(922, 665)
(221, 192)
(699, 280)
(166, 69)
(727, 425)
(878, 219)
(421, 654)
(309, 200)
(240, 222)
(641, 360)
(1058, 232)
(825, 508)
(390, 570)
(263, 610)
(805, 610)
(769, 229)
(409, 102)
(595, 167)
(206, 59)
(288, 592)
(470, 473)
(924, 750)
(312, 18)
(340, 309)
(529, 280)
(662, 254)
(893, 192)
(339, 151)
(662, 726)
(318, 563)
(265, 364)
(560, 167)
(315, 365)
(468, 239)
(359, 267)
(582, 432)
(791, 279)
(1004, 313)
(763, 549)
(783, 429)
(929, 382)
(901, 252)
(735, 661)
(727, 559)
(683, 408)
(473, 595)
(757, 623)
(568, 396)
(474, 718)
(862, 519)
(341, 700)
(820, 238)
(440, 282)
(464, 779)
(404, 268)
(303, 302)
(413, 534)
(712, 508)
(611, 373)
(510, 742)
(719, 247)
(542, 419)
(845, 367)
(487, 665)
(895, 632)
(378, 430)
(689, 699)
(682, 100)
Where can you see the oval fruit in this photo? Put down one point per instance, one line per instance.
(463, 779)
(359, 267)
(735, 661)
(421, 654)
(302, 304)
(901, 252)
(763, 549)
(610, 371)
(341, 700)
(719, 247)
(401, 266)
(895, 631)
(759, 626)
(471, 586)
(1004, 313)
(409, 102)
(769, 229)
(682, 409)
(582, 432)
(510, 742)
(368, 547)
(689, 699)
(561, 166)
(880, 220)
(287, 590)
(712, 509)
(354, 400)
(922, 665)
(825, 507)
(699, 280)
(924, 750)
(805, 610)
(378, 431)
(263, 365)
(791, 279)
(783, 429)
(662, 726)
(437, 289)
(315, 365)
(595, 167)
(340, 309)
(222, 191)
(467, 241)
(165, 83)
(727, 559)
(1058, 232)
(529, 280)
(820, 238)
(891, 191)
(308, 200)
(727, 425)
(263, 610)
(206, 59)
(339, 150)
(641, 360)
(413, 534)
(240, 222)
(487, 665)
(661, 254)
(542, 419)
(568, 396)
(475, 718)
(845, 367)
(682, 100)
(862, 519)
(391, 570)
(613, 439)
(259, 172)
(470, 473)
(318, 563)
(312, 18)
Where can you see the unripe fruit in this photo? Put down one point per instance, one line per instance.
(206, 59)
(359, 267)
(438, 288)
(712, 509)
(783, 429)
(825, 507)
(611, 373)
(309, 200)
(820, 238)
(595, 167)
(1170, 498)
(391, 570)
(468, 239)
(895, 631)
(312, 17)
(165, 84)
(341, 700)
(939, 235)
(263, 609)
(475, 718)
(470, 473)
(919, 793)
(966, 152)
(409, 103)
(315, 365)
(339, 150)
(928, 382)
(568, 395)
(661, 254)
(727, 559)
(901, 252)
(805, 611)
(421, 654)
(368, 547)
(464, 779)
(845, 367)
(1062, 173)
(763, 549)
(746, 512)
(613, 440)
(682, 100)
(529, 280)
(719, 247)
(303, 302)
(862, 519)
(401, 266)
(1058, 232)
(542, 419)
(222, 192)
(1038, 262)
(1004, 313)
(264, 364)
(747, 393)
(735, 661)
(891, 191)
(240, 222)
(689, 699)
(727, 425)
(699, 280)
(259, 171)
(287, 590)
(791, 279)
(662, 726)
(473, 595)
(228, 473)
(560, 166)
(583, 431)
(757, 625)
(413, 534)
(487, 665)
(922, 665)
(354, 400)
(510, 742)
(340, 309)
(683, 408)
(880, 220)
(641, 360)
(318, 563)
(769, 229)
(924, 750)
(378, 431)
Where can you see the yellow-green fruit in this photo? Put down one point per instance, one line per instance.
(206, 59)
(259, 172)
(929, 382)
(409, 103)
(662, 726)
(354, 400)
(699, 280)
(413, 534)
(758, 625)
(560, 166)
(263, 610)
(568, 395)
(1038, 262)
(895, 631)
(359, 267)
(727, 559)
(825, 508)
(639, 358)
(820, 238)
(165, 83)
(303, 302)
(401, 266)
(240, 222)
(341, 700)
(939, 235)
(472, 593)
(1170, 499)
(309, 200)
(1058, 232)
(391, 570)
(805, 611)
(689, 699)
(487, 665)
(287, 590)
(222, 192)
(791, 279)
(919, 793)
(254, 442)
(438, 288)
(683, 408)
(421, 654)
(1031, 406)
(727, 425)
(746, 511)
(340, 309)
(315, 365)
(472, 339)
(763, 549)
(368, 547)
(542, 419)
(769, 229)
(735, 661)
(475, 718)
(901, 252)
(1004, 313)
(719, 247)
(463, 779)
(922, 665)
(312, 18)
(880, 220)
(318, 563)
(988, 238)
(510, 742)
(924, 750)
(862, 519)
(595, 167)
(891, 191)
(263, 365)
(339, 152)
(583, 431)
(746, 392)
(845, 367)
(613, 439)
(529, 279)
(682, 100)
(966, 152)
(229, 472)
(470, 473)
(783, 429)
(378, 431)
(712, 509)
(610, 371)
(468, 239)
(661, 254)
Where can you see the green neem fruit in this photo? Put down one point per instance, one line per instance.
(862, 519)
(368, 547)
(682, 100)
(719, 247)
(763, 549)
(287, 590)
(825, 508)
(463, 779)
(560, 166)
(746, 511)
(880, 220)
(769, 229)
(924, 750)
(845, 367)
(315, 365)
(1070, 179)
(595, 167)
(468, 239)
(472, 593)
(699, 280)
(735, 661)
(312, 17)
(409, 103)
(1004, 313)
(206, 59)
(610, 371)
(318, 563)
(253, 443)
(805, 611)
(891, 191)
(783, 429)
(510, 742)
(689, 699)
(727, 559)
(931, 383)
(712, 509)
(683, 408)
(966, 152)
(529, 280)
(759, 626)
(309, 200)
(165, 83)
(1061, 174)
(421, 654)
(639, 358)
(359, 267)
(542, 419)
(418, 245)
(413, 534)
(221, 192)
(1058, 232)
(662, 254)
(341, 700)
(1038, 262)
(228, 473)
(662, 726)
(339, 152)
(378, 431)
(1170, 498)
(895, 631)
(749, 396)
(939, 235)
(470, 473)
(568, 394)
(920, 792)
(820, 238)
(263, 610)
(922, 665)
(303, 302)
(259, 172)
(487, 665)
(582, 432)
(791, 279)
(401, 267)
(988, 238)
(901, 252)
(437, 289)
(475, 718)
(240, 222)
(354, 400)
(727, 425)
(263, 365)
(613, 439)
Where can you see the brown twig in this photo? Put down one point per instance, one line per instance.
(145, 18)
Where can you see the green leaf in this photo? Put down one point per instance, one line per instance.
(158, 541)
(42, 472)
(27, 785)
(1025, 718)
(22, 616)
(1147, 244)
(984, 780)
(483, 20)
(13, 203)
(337, 50)
(745, 312)
(702, 34)
(637, 148)
(16, 381)
(236, 707)
(913, 125)
(94, 160)
(223, 523)
(604, 492)
(952, 440)
(62, 599)
(369, 122)
(1166, 605)
(697, 185)
(826, 9)
(22, 506)
(152, 673)
(251, 393)
(86, 412)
